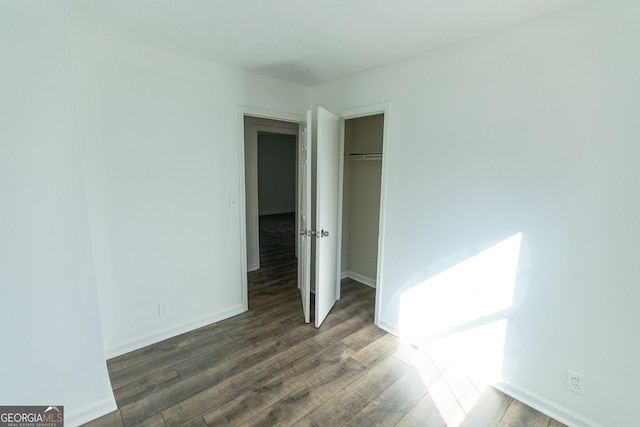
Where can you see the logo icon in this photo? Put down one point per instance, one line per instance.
(32, 416)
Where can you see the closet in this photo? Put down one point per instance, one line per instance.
(361, 197)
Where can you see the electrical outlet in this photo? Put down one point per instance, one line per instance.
(575, 382)
(163, 308)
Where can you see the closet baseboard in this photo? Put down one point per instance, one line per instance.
(358, 278)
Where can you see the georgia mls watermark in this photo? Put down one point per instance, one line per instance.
(32, 416)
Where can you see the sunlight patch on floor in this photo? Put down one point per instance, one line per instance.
(458, 318)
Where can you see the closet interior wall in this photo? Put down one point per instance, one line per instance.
(361, 198)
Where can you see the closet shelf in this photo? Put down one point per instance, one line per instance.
(366, 156)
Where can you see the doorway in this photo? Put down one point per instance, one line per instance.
(271, 199)
(362, 185)
(340, 143)
(354, 119)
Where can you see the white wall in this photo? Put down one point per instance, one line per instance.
(52, 351)
(531, 130)
(276, 174)
(161, 136)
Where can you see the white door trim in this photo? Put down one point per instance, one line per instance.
(260, 113)
(352, 113)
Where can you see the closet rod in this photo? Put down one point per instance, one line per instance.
(367, 156)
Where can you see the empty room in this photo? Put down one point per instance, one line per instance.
(320, 213)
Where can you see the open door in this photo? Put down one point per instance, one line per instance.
(327, 213)
(304, 219)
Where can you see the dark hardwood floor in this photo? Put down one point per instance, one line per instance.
(267, 367)
(278, 273)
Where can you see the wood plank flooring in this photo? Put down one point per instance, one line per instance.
(266, 367)
(278, 273)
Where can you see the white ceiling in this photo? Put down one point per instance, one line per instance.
(304, 41)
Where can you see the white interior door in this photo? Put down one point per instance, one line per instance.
(327, 213)
(304, 218)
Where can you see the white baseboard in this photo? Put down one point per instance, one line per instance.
(387, 326)
(358, 278)
(172, 332)
(253, 267)
(544, 405)
(90, 412)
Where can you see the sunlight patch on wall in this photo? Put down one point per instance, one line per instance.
(460, 315)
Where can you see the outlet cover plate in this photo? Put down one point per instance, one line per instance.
(575, 382)
(163, 308)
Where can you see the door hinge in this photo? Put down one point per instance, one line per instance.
(314, 233)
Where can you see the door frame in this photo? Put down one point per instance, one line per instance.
(262, 114)
(354, 113)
